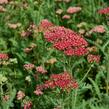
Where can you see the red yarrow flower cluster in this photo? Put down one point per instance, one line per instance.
(3, 56)
(78, 51)
(66, 40)
(28, 105)
(104, 11)
(63, 80)
(72, 10)
(93, 58)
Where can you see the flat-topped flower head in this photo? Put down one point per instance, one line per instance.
(41, 70)
(63, 81)
(76, 52)
(20, 95)
(63, 39)
(98, 29)
(104, 11)
(66, 17)
(59, 33)
(3, 56)
(52, 61)
(3, 1)
(93, 58)
(29, 66)
(38, 92)
(72, 10)
(28, 105)
(45, 24)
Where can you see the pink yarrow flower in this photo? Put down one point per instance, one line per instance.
(6, 97)
(93, 58)
(98, 29)
(3, 1)
(20, 95)
(29, 66)
(63, 39)
(3, 56)
(77, 52)
(66, 16)
(28, 105)
(41, 70)
(104, 11)
(72, 10)
(38, 92)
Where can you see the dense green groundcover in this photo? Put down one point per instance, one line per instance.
(27, 60)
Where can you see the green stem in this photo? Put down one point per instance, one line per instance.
(86, 74)
(107, 69)
(75, 99)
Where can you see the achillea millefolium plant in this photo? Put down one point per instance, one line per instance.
(54, 54)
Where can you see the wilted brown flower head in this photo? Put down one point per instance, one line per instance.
(92, 49)
(59, 11)
(82, 24)
(27, 50)
(2, 9)
(82, 31)
(14, 26)
(52, 61)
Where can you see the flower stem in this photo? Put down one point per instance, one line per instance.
(86, 74)
(75, 99)
(107, 69)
